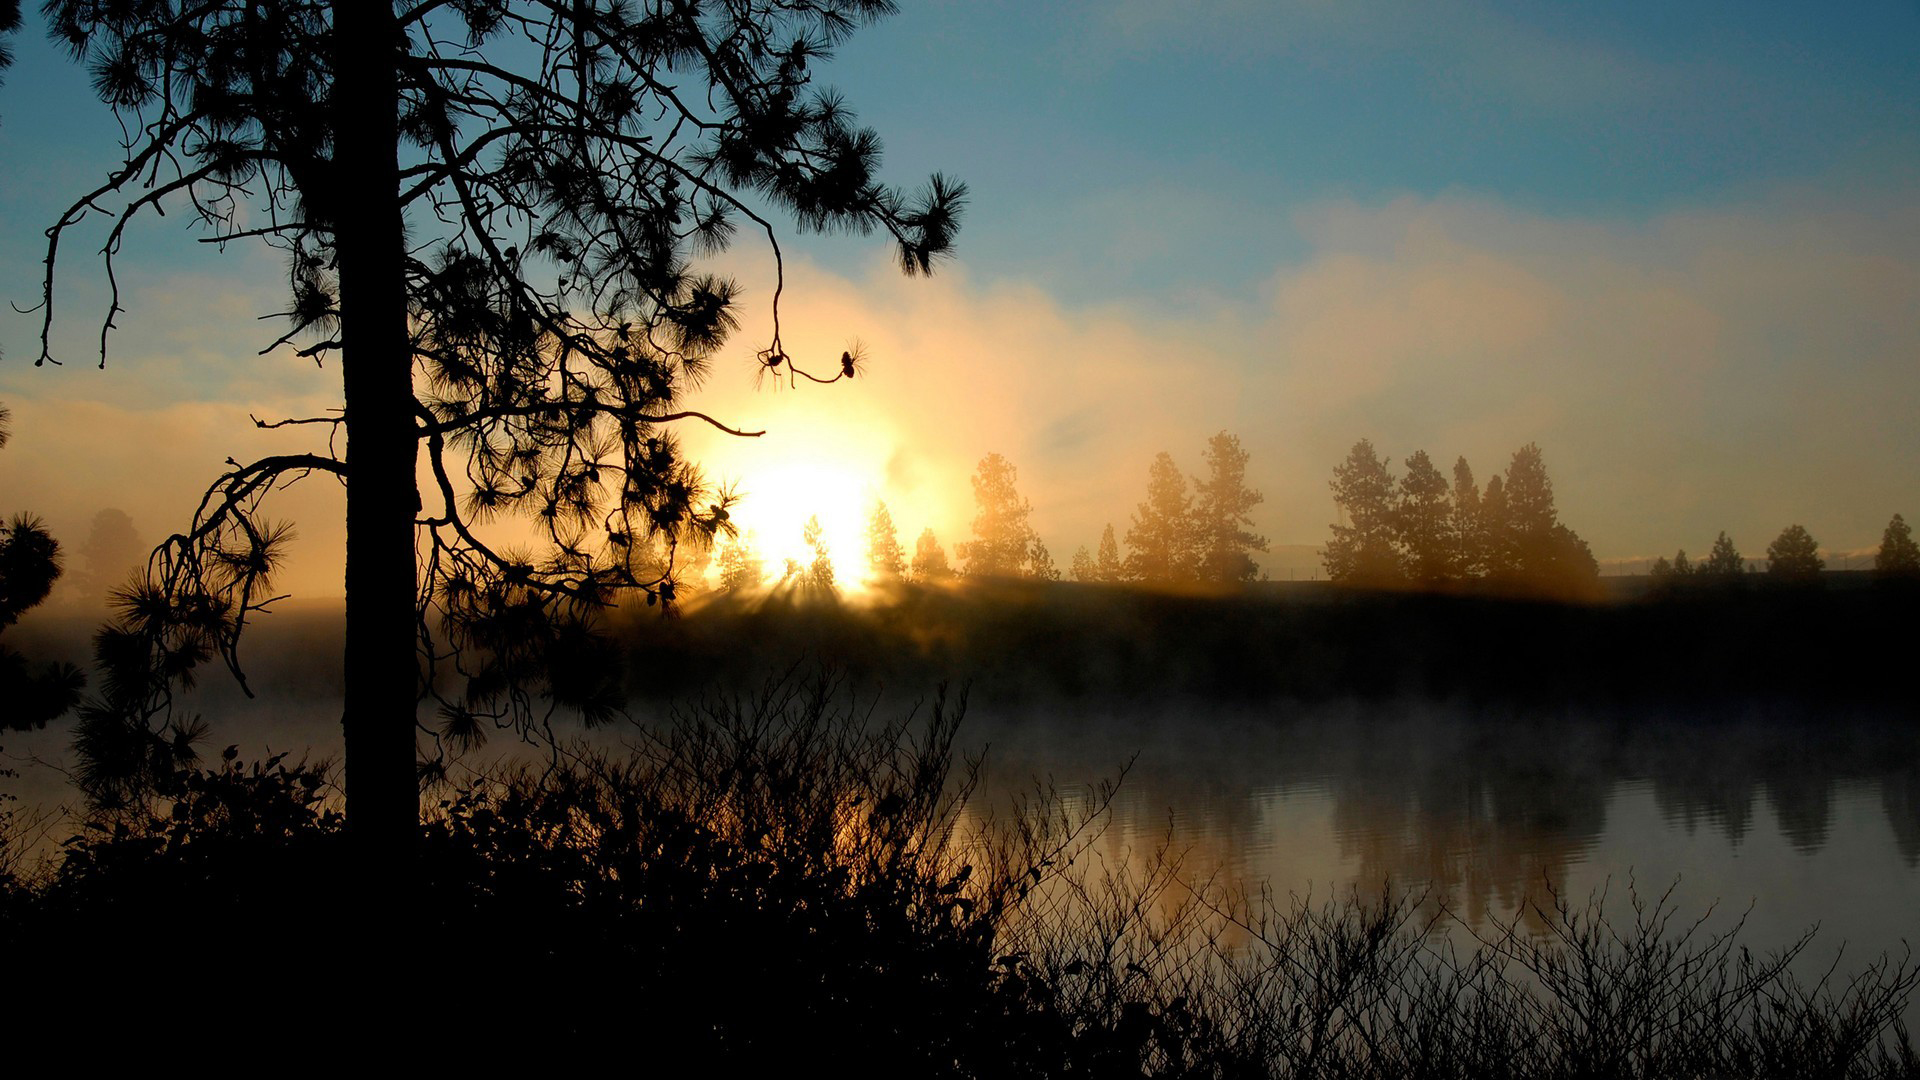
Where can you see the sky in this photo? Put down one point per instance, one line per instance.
(1675, 245)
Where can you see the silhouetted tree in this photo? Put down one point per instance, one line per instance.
(1363, 551)
(1162, 543)
(489, 211)
(1082, 565)
(9, 22)
(1499, 556)
(1661, 569)
(929, 558)
(30, 694)
(741, 568)
(1423, 520)
(112, 552)
(885, 557)
(1546, 556)
(818, 575)
(1681, 567)
(1004, 543)
(1723, 561)
(1794, 554)
(1107, 566)
(1222, 503)
(1898, 554)
(1466, 521)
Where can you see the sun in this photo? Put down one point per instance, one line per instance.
(777, 501)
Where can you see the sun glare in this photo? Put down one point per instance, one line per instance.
(777, 501)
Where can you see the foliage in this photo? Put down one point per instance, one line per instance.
(885, 557)
(490, 213)
(1423, 519)
(1723, 562)
(1107, 566)
(1898, 554)
(1004, 543)
(929, 558)
(1162, 544)
(1362, 551)
(1794, 554)
(1466, 520)
(818, 574)
(1082, 568)
(31, 694)
(741, 568)
(1222, 503)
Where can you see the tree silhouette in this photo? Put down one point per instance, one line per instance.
(885, 557)
(1362, 552)
(1107, 566)
(1466, 521)
(1221, 504)
(1794, 554)
(1161, 544)
(929, 558)
(1545, 555)
(818, 575)
(1423, 519)
(9, 22)
(741, 568)
(489, 212)
(1898, 554)
(1004, 543)
(30, 695)
(1723, 561)
(112, 552)
(1082, 566)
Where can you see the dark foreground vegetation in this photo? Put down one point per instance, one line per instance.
(1827, 642)
(779, 882)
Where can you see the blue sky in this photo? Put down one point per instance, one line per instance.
(1677, 245)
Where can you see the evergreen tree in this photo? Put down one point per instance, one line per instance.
(741, 568)
(1898, 554)
(1161, 544)
(30, 694)
(1222, 503)
(885, 557)
(1661, 570)
(1039, 561)
(1795, 554)
(1082, 565)
(1724, 561)
(1499, 557)
(489, 211)
(1004, 543)
(1423, 522)
(929, 558)
(1467, 559)
(818, 573)
(1107, 566)
(1681, 567)
(1362, 552)
(1547, 556)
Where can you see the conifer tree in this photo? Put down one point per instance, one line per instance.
(929, 558)
(1004, 543)
(1082, 566)
(1898, 554)
(1362, 551)
(885, 557)
(1723, 561)
(1107, 566)
(31, 694)
(1468, 561)
(741, 568)
(490, 212)
(1161, 544)
(1795, 554)
(818, 573)
(1423, 522)
(1222, 503)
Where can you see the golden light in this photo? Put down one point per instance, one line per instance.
(778, 499)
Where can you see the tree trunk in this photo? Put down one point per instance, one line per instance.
(377, 368)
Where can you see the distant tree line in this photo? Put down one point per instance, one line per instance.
(1793, 555)
(1422, 530)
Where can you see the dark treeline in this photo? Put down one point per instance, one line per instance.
(1752, 638)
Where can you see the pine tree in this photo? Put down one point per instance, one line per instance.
(1004, 543)
(929, 558)
(490, 213)
(885, 557)
(1082, 565)
(1795, 554)
(1724, 561)
(818, 573)
(1161, 546)
(1363, 552)
(1468, 559)
(1423, 522)
(1107, 566)
(1661, 569)
(30, 695)
(1222, 503)
(741, 568)
(1681, 567)
(1898, 554)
